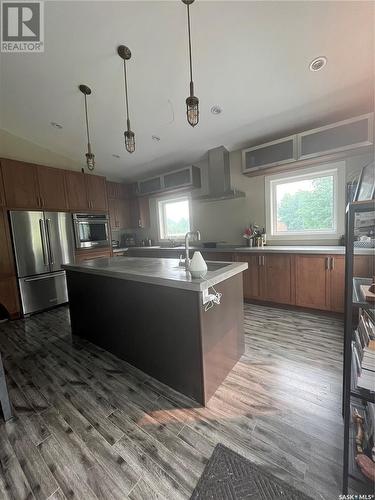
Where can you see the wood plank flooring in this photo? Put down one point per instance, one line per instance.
(89, 426)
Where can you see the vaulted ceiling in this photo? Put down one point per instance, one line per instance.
(251, 58)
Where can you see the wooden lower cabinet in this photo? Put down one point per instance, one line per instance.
(9, 296)
(251, 288)
(82, 256)
(276, 276)
(337, 283)
(312, 281)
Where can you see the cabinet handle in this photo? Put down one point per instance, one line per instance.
(327, 264)
(259, 260)
(263, 260)
(332, 263)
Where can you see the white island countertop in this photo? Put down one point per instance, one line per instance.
(165, 272)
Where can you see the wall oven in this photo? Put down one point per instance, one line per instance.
(91, 230)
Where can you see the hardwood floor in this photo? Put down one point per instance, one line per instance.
(88, 425)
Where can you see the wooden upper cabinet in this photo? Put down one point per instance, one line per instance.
(113, 209)
(139, 212)
(276, 278)
(337, 283)
(20, 184)
(116, 190)
(52, 188)
(96, 192)
(312, 281)
(76, 190)
(251, 277)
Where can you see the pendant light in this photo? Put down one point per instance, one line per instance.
(125, 54)
(90, 157)
(192, 102)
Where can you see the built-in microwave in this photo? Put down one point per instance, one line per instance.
(91, 230)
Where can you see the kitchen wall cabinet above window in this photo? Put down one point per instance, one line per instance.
(269, 154)
(306, 147)
(182, 179)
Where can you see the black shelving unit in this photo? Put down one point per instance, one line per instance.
(355, 303)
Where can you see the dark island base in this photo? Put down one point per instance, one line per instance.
(163, 331)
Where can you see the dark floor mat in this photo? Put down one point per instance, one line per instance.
(229, 476)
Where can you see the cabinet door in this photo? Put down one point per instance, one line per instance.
(139, 212)
(269, 154)
(9, 296)
(76, 190)
(112, 189)
(144, 211)
(96, 192)
(337, 283)
(20, 184)
(97, 254)
(312, 281)
(113, 217)
(52, 188)
(6, 260)
(251, 288)
(276, 278)
(123, 214)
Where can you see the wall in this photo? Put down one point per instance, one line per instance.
(225, 220)
(17, 148)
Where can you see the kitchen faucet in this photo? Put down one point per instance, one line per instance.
(191, 234)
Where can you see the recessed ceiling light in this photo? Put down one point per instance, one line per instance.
(216, 110)
(116, 156)
(318, 63)
(155, 138)
(56, 125)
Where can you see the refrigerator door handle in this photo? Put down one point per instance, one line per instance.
(51, 257)
(44, 277)
(44, 241)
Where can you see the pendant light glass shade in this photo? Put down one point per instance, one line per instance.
(129, 140)
(129, 135)
(192, 102)
(90, 157)
(192, 109)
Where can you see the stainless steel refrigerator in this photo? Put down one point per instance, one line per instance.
(42, 241)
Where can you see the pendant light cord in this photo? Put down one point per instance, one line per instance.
(126, 96)
(87, 120)
(190, 60)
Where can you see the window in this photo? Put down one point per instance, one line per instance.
(307, 205)
(174, 218)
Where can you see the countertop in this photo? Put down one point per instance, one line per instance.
(292, 249)
(165, 272)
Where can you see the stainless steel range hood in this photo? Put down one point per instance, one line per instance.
(219, 183)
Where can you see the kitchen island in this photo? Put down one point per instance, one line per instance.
(151, 313)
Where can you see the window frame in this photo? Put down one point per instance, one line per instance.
(161, 203)
(337, 170)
